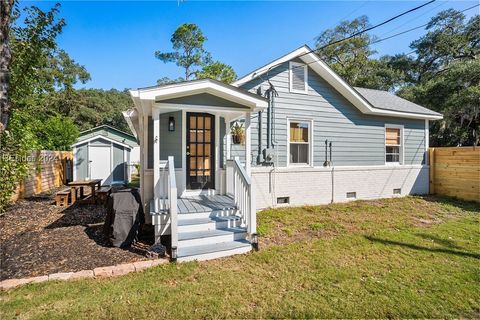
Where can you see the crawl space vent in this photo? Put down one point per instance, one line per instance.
(283, 200)
(351, 195)
(397, 191)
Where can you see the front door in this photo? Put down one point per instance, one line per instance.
(200, 151)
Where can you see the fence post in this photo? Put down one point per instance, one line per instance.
(431, 162)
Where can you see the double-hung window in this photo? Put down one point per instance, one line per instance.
(299, 142)
(393, 145)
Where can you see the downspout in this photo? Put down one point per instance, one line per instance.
(269, 117)
(260, 132)
(333, 173)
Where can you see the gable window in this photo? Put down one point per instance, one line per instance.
(393, 145)
(299, 142)
(298, 77)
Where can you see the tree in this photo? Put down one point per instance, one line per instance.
(58, 133)
(446, 77)
(349, 58)
(38, 67)
(218, 71)
(187, 42)
(6, 7)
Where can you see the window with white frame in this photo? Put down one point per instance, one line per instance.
(298, 77)
(299, 142)
(393, 145)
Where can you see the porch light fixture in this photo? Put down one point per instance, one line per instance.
(171, 124)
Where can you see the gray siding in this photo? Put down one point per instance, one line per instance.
(357, 139)
(81, 162)
(118, 164)
(170, 141)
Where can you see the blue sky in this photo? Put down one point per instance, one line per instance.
(116, 40)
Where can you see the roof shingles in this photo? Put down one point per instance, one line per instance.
(388, 101)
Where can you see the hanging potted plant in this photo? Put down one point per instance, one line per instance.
(238, 133)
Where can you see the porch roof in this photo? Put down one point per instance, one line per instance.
(172, 94)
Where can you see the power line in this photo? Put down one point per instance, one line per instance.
(363, 31)
(415, 28)
(377, 41)
(415, 18)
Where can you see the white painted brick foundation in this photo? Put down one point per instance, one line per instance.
(310, 186)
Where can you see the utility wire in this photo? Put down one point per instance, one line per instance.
(415, 28)
(374, 42)
(415, 18)
(362, 31)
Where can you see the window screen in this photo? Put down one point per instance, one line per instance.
(392, 145)
(299, 142)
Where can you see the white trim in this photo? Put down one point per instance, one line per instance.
(402, 145)
(156, 157)
(291, 169)
(216, 121)
(103, 137)
(310, 142)
(169, 107)
(129, 115)
(292, 65)
(201, 86)
(184, 148)
(74, 163)
(248, 143)
(324, 71)
(427, 141)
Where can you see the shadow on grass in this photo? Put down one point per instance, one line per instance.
(469, 206)
(421, 248)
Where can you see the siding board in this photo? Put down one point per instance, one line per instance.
(357, 139)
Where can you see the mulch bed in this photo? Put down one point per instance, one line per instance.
(38, 238)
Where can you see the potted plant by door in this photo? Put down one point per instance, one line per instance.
(238, 133)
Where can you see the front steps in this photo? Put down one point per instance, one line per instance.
(210, 235)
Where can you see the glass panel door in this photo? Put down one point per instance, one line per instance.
(200, 146)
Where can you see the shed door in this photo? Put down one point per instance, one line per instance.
(100, 167)
(200, 151)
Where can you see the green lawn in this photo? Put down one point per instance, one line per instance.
(401, 258)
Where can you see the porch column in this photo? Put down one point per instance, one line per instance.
(248, 144)
(229, 138)
(156, 157)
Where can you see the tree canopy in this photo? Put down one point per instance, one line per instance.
(441, 73)
(190, 54)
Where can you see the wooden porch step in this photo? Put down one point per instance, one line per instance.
(209, 251)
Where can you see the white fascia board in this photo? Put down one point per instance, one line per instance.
(102, 137)
(131, 117)
(324, 71)
(264, 69)
(351, 95)
(187, 89)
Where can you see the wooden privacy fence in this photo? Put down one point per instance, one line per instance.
(48, 170)
(455, 172)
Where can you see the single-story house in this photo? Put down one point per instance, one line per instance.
(105, 153)
(309, 138)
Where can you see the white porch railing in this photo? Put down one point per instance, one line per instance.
(241, 188)
(172, 204)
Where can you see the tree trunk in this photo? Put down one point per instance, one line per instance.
(5, 58)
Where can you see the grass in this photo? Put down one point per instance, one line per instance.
(401, 258)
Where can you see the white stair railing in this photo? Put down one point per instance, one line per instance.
(172, 205)
(241, 188)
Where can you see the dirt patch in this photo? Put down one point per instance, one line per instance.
(38, 238)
